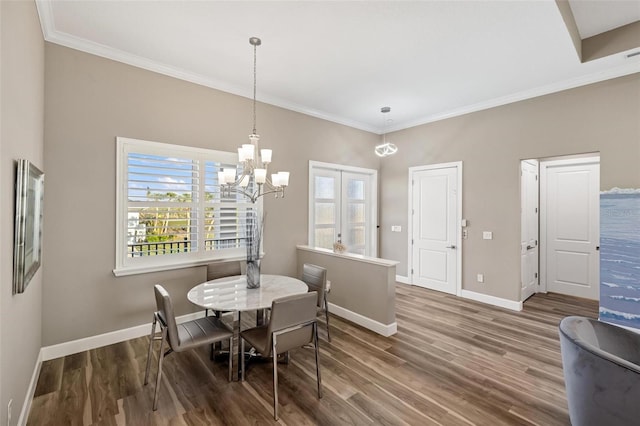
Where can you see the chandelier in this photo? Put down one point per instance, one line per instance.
(253, 161)
(385, 148)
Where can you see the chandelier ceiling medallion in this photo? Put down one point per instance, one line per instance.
(253, 161)
(385, 148)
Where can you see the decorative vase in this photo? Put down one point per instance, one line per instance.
(253, 273)
(254, 235)
(338, 247)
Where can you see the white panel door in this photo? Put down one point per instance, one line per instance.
(573, 228)
(529, 228)
(434, 229)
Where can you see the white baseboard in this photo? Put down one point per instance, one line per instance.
(491, 300)
(88, 343)
(68, 348)
(31, 390)
(384, 329)
(402, 279)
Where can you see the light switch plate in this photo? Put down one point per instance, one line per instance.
(487, 235)
(480, 278)
(396, 228)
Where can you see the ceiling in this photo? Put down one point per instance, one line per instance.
(343, 61)
(595, 17)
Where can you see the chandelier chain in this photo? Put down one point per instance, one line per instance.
(255, 47)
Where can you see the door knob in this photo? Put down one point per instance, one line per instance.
(451, 247)
(529, 247)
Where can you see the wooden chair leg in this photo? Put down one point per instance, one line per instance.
(160, 359)
(151, 339)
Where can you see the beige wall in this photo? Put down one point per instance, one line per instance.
(603, 117)
(21, 136)
(90, 101)
(364, 288)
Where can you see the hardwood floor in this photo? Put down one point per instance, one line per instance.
(452, 362)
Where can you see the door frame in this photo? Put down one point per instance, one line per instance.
(373, 208)
(412, 171)
(542, 230)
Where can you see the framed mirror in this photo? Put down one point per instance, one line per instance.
(28, 225)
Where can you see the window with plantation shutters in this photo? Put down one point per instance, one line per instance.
(170, 213)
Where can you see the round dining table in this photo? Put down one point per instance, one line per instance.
(231, 294)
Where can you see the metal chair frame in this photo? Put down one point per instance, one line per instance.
(325, 302)
(274, 335)
(162, 337)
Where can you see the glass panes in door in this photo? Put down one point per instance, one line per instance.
(341, 209)
(326, 216)
(356, 205)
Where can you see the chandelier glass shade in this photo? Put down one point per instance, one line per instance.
(253, 161)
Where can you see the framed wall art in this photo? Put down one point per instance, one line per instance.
(27, 249)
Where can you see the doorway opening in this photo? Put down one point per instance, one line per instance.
(560, 226)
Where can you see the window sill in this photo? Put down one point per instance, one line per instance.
(144, 269)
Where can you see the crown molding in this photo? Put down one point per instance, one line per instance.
(596, 77)
(52, 35)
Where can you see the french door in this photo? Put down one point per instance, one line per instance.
(342, 207)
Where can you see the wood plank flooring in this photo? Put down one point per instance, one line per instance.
(452, 362)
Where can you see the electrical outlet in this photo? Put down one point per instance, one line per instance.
(465, 234)
(9, 412)
(480, 278)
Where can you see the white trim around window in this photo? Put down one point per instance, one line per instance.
(169, 213)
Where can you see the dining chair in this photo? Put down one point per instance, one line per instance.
(316, 279)
(217, 270)
(223, 269)
(181, 337)
(292, 324)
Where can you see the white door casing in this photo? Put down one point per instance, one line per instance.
(571, 220)
(529, 228)
(434, 219)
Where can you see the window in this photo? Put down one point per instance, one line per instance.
(342, 205)
(169, 211)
